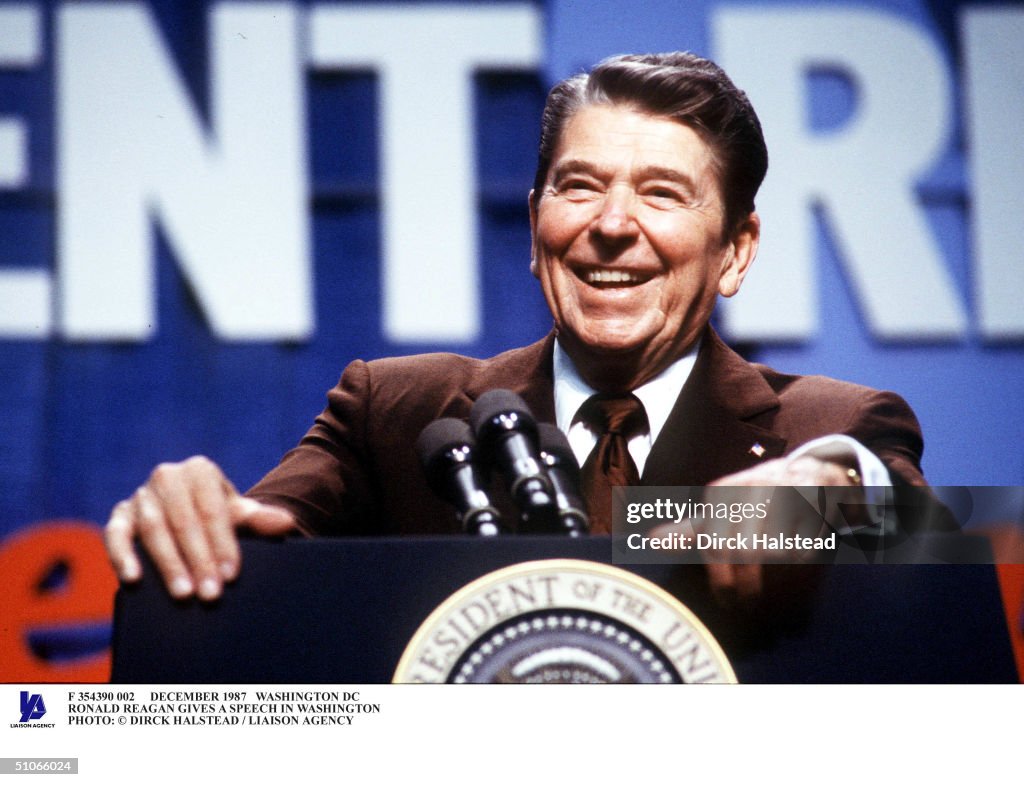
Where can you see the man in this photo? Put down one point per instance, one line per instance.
(642, 213)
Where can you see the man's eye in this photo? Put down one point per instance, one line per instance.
(582, 186)
(659, 193)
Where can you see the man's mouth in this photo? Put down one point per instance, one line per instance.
(610, 277)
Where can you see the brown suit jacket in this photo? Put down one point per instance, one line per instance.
(356, 471)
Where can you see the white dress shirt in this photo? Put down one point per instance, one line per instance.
(659, 396)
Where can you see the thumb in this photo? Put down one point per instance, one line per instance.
(261, 518)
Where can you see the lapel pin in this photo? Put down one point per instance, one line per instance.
(757, 450)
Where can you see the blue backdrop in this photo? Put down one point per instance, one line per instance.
(84, 418)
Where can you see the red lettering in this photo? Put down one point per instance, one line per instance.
(84, 597)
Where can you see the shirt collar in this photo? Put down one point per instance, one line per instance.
(658, 395)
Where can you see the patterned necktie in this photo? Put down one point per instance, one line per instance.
(615, 419)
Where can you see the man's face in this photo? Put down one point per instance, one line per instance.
(628, 240)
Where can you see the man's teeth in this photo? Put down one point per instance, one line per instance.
(613, 277)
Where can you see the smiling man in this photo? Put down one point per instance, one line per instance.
(642, 214)
(631, 243)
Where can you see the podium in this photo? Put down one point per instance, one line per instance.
(344, 610)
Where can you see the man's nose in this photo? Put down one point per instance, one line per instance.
(616, 221)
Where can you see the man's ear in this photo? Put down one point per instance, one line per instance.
(742, 248)
(533, 235)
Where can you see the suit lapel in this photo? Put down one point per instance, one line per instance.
(715, 427)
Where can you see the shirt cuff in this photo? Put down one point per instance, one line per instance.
(844, 450)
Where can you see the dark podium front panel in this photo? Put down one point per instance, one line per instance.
(342, 611)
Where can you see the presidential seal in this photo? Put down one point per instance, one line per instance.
(562, 621)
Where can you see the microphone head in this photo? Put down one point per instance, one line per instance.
(564, 471)
(501, 411)
(440, 438)
(446, 448)
(555, 450)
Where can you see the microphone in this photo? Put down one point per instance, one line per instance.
(447, 450)
(507, 434)
(564, 472)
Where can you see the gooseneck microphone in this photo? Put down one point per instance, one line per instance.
(564, 472)
(507, 435)
(447, 450)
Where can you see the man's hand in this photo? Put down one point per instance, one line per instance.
(186, 515)
(803, 471)
(742, 583)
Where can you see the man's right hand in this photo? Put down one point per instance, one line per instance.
(185, 516)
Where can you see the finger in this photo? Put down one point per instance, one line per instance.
(748, 579)
(156, 537)
(812, 471)
(735, 584)
(767, 473)
(266, 520)
(722, 580)
(118, 536)
(188, 528)
(212, 494)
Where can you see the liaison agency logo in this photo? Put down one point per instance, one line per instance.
(32, 708)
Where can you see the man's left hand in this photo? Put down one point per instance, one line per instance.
(741, 584)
